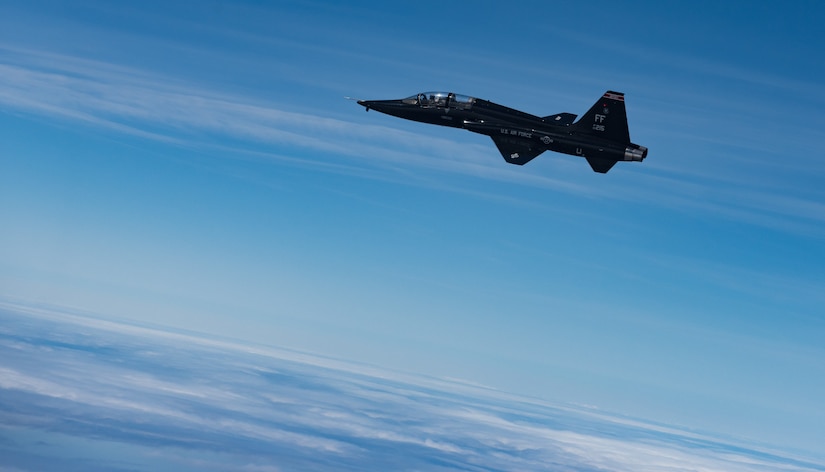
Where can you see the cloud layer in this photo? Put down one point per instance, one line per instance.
(144, 398)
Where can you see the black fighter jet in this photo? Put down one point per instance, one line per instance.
(600, 136)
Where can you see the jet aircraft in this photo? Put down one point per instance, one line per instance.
(601, 136)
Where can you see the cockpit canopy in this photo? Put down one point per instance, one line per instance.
(440, 100)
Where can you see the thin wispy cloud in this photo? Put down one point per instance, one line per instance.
(124, 100)
(133, 102)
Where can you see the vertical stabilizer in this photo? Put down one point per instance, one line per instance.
(606, 119)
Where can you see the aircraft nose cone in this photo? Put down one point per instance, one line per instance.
(391, 107)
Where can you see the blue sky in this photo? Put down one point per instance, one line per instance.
(195, 165)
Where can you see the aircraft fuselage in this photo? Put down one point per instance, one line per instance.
(601, 136)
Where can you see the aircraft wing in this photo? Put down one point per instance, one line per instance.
(517, 151)
(601, 165)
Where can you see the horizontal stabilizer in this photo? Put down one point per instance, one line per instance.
(517, 151)
(600, 165)
(561, 119)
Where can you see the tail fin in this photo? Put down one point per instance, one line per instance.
(606, 119)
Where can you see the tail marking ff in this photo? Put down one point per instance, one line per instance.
(607, 118)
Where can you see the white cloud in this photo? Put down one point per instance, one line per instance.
(153, 387)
